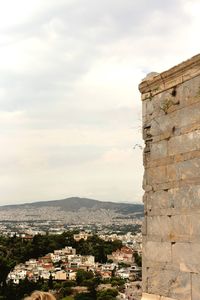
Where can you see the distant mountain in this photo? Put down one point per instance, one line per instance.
(72, 209)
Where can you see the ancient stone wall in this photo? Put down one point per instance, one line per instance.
(171, 229)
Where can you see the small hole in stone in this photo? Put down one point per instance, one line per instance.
(174, 92)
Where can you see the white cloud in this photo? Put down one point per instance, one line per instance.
(69, 101)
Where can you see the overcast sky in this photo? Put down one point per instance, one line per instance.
(70, 110)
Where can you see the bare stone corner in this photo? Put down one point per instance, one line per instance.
(171, 131)
(146, 296)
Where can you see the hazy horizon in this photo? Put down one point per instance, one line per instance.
(70, 109)
(50, 200)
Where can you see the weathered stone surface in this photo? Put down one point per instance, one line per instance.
(144, 227)
(181, 287)
(171, 230)
(189, 268)
(169, 283)
(195, 226)
(163, 124)
(182, 199)
(185, 197)
(172, 123)
(146, 296)
(159, 150)
(188, 92)
(157, 251)
(173, 227)
(181, 227)
(159, 225)
(156, 175)
(159, 200)
(166, 298)
(184, 143)
(189, 115)
(187, 253)
(183, 170)
(147, 107)
(195, 287)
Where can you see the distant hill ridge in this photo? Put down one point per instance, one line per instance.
(75, 203)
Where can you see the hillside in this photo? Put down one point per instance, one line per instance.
(71, 210)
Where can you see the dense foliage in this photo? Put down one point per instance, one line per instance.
(138, 259)
(109, 294)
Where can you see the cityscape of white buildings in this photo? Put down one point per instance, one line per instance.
(63, 265)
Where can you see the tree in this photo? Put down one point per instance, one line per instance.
(138, 258)
(5, 266)
(82, 276)
(109, 294)
(50, 282)
(117, 281)
(83, 296)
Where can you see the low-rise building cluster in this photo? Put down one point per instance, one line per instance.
(123, 255)
(63, 265)
(82, 236)
(134, 241)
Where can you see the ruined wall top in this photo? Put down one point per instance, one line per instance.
(155, 83)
